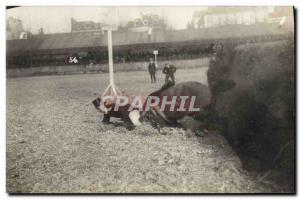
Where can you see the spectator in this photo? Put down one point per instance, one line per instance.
(169, 71)
(152, 70)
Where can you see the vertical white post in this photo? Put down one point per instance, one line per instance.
(155, 52)
(111, 89)
(110, 57)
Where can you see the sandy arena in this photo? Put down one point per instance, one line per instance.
(56, 143)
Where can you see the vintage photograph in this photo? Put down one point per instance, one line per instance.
(150, 99)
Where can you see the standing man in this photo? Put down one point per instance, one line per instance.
(152, 70)
(169, 70)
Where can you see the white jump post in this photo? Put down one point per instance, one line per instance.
(112, 89)
(110, 57)
(155, 52)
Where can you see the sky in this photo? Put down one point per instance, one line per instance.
(55, 19)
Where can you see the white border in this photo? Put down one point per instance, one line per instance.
(3, 193)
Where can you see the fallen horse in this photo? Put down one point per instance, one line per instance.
(170, 103)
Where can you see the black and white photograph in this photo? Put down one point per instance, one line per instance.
(150, 99)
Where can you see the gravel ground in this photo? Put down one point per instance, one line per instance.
(57, 144)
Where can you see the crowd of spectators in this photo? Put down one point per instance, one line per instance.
(100, 57)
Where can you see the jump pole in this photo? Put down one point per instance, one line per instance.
(155, 52)
(112, 89)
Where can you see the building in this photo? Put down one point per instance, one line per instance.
(283, 16)
(198, 19)
(91, 47)
(14, 29)
(146, 23)
(85, 26)
(224, 16)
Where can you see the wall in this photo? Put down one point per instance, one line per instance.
(79, 69)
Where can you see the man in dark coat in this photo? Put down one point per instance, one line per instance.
(152, 70)
(169, 70)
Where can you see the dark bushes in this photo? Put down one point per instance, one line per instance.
(253, 93)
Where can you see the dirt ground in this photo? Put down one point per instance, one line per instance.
(56, 143)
